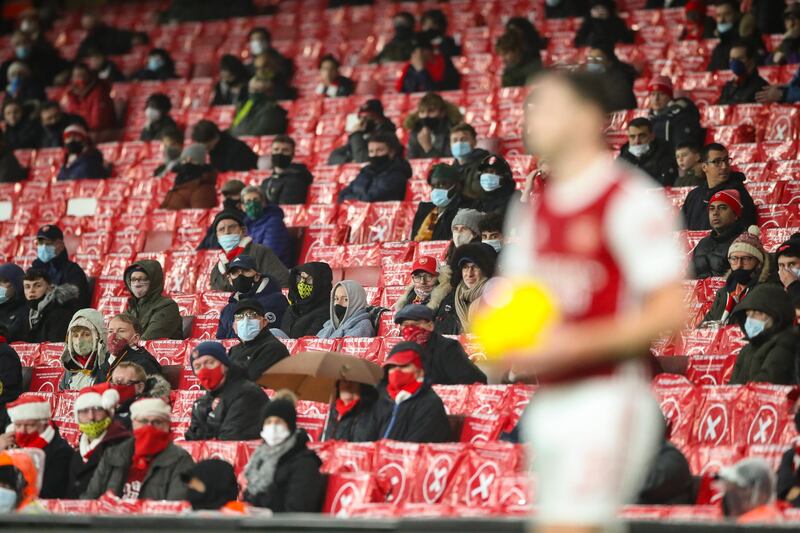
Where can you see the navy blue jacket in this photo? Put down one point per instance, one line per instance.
(268, 293)
(88, 165)
(386, 185)
(62, 271)
(270, 231)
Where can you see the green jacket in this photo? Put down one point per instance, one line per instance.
(264, 117)
(158, 315)
(163, 479)
(770, 357)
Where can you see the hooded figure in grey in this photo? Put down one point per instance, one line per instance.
(84, 374)
(352, 320)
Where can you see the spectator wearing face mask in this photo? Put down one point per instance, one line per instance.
(159, 67)
(743, 87)
(231, 201)
(158, 315)
(22, 86)
(444, 359)
(258, 348)
(349, 416)
(710, 256)
(231, 407)
(40, 56)
(464, 229)
(94, 414)
(132, 383)
(171, 150)
(473, 264)
(264, 221)
(750, 266)
(82, 160)
(234, 241)
(249, 284)
(749, 489)
(728, 18)
(491, 227)
(289, 181)
(433, 24)
(675, 120)
(19, 484)
(85, 351)
(385, 178)
(195, 181)
(788, 258)
(497, 185)
(50, 307)
(211, 486)
(618, 75)
(401, 45)
(89, 98)
(283, 474)
(157, 119)
(232, 85)
(13, 307)
(433, 220)
(10, 375)
(427, 70)
(227, 153)
(32, 427)
(767, 318)
(146, 467)
(467, 157)
(103, 67)
(349, 316)
(603, 22)
(430, 285)
(649, 153)
(309, 300)
(124, 333)
(408, 410)
(260, 44)
(788, 486)
(429, 127)
(54, 121)
(788, 52)
(260, 114)
(371, 121)
(52, 258)
(331, 82)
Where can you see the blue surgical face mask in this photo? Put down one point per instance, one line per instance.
(595, 67)
(724, 27)
(22, 52)
(440, 197)
(45, 252)
(497, 244)
(738, 67)
(8, 500)
(3, 295)
(229, 242)
(754, 327)
(490, 182)
(460, 150)
(639, 150)
(247, 329)
(155, 62)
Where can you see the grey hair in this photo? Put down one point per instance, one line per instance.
(257, 190)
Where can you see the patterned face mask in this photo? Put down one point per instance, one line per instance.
(304, 289)
(94, 429)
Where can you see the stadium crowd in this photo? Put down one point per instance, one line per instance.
(122, 406)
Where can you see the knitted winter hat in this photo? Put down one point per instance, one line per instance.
(101, 395)
(29, 407)
(749, 243)
(283, 409)
(214, 349)
(790, 248)
(469, 218)
(661, 84)
(731, 198)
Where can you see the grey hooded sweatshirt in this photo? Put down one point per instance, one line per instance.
(78, 375)
(356, 322)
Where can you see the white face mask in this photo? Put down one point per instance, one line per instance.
(462, 238)
(274, 434)
(257, 47)
(639, 150)
(140, 289)
(8, 500)
(151, 114)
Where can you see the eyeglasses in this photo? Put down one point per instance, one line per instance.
(121, 383)
(720, 161)
(246, 314)
(419, 278)
(744, 259)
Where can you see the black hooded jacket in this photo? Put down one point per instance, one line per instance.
(14, 311)
(259, 354)
(305, 317)
(354, 426)
(58, 456)
(498, 200)
(770, 357)
(710, 256)
(695, 207)
(446, 363)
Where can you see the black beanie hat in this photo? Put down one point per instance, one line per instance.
(283, 409)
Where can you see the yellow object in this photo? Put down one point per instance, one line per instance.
(511, 315)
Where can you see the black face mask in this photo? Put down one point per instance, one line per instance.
(243, 284)
(379, 161)
(738, 277)
(74, 147)
(430, 122)
(339, 310)
(231, 204)
(369, 125)
(402, 31)
(281, 160)
(203, 502)
(33, 304)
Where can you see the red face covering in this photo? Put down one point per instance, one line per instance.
(29, 440)
(415, 334)
(342, 408)
(210, 378)
(402, 381)
(148, 441)
(126, 392)
(116, 345)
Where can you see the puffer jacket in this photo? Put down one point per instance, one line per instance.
(420, 418)
(158, 315)
(437, 295)
(710, 256)
(306, 316)
(770, 357)
(379, 184)
(270, 231)
(14, 310)
(54, 313)
(79, 375)
(356, 321)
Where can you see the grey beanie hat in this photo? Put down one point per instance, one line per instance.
(469, 218)
(196, 153)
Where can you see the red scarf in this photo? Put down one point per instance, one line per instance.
(416, 334)
(34, 440)
(234, 253)
(342, 408)
(148, 442)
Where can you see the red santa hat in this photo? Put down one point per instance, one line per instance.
(101, 395)
(29, 407)
(76, 129)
